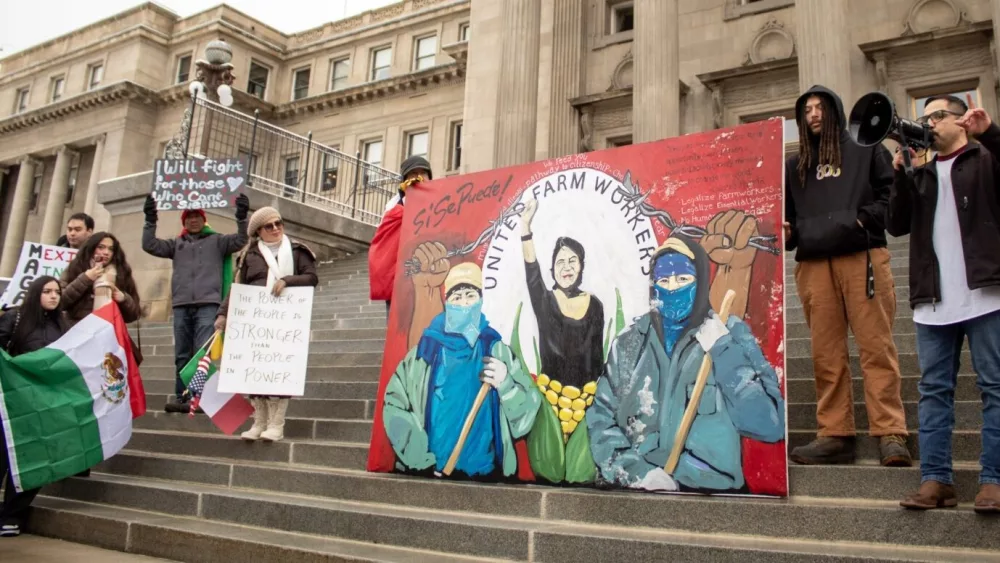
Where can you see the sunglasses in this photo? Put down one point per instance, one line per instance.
(937, 116)
(277, 225)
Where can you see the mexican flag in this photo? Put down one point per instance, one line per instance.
(70, 405)
(228, 411)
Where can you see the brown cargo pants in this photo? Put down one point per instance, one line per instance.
(833, 294)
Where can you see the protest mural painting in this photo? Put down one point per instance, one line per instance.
(36, 260)
(266, 341)
(198, 184)
(550, 322)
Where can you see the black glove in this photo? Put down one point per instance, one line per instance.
(149, 208)
(242, 206)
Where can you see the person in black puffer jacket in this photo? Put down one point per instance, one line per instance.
(30, 327)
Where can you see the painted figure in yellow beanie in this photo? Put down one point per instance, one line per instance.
(434, 389)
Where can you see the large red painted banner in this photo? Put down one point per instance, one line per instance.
(610, 319)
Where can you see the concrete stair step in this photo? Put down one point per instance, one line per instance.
(320, 335)
(324, 359)
(315, 347)
(871, 481)
(905, 344)
(314, 389)
(346, 430)
(178, 538)
(968, 415)
(803, 390)
(479, 534)
(349, 455)
(802, 366)
(795, 314)
(903, 327)
(314, 373)
(966, 445)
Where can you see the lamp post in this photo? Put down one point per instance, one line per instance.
(213, 81)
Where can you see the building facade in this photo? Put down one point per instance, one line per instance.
(472, 85)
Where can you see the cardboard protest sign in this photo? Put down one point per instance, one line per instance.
(266, 341)
(198, 184)
(36, 260)
(610, 319)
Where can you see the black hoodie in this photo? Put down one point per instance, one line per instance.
(824, 213)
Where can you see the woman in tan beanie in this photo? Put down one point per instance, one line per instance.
(272, 260)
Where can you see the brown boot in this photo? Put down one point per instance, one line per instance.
(894, 452)
(931, 494)
(825, 450)
(988, 499)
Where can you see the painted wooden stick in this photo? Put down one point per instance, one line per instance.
(453, 460)
(699, 385)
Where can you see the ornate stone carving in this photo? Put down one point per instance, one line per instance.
(882, 74)
(622, 77)
(419, 4)
(309, 36)
(772, 42)
(718, 109)
(347, 24)
(388, 12)
(929, 15)
(586, 129)
(930, 61)
(744, 93)
(612, 119)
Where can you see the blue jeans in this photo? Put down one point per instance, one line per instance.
(193, 326)
(939, 349)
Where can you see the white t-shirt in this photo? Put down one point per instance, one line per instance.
(958, 303)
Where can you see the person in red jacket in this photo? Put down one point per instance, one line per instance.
(385, 244)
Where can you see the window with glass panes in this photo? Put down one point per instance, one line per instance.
(300, 83)
(340, 70)
(257, 79)
(183, 69)
(58, 88)
(74, 171)
(381, 63)
(94, 75)
(292, 171)
(455, 161)
(425, 51)
(416, 144)
(328, 177)
(36, 185)
(21, 100)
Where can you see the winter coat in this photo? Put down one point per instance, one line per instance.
(824, 213)
(42, 336)
(975, 178)
(198, 261)
(383, 255)
(252, 270)
(644, 392)
(78, 301)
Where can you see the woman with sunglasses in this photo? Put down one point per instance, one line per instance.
(272, 260)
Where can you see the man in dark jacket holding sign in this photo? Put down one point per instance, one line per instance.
(835, 202)
(950, 209)
(202, 274)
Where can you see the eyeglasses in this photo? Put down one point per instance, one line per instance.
(937, 116)
(275, 226)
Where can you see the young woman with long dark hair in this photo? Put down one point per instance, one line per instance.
(99, 273)
(25, 329)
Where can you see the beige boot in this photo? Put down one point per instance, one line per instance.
(276, 420)
(260, 412)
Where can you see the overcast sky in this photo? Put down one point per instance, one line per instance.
(23, 24)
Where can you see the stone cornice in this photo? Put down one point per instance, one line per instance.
(80, 31)
(458, 51)
(110, 94)
(712, 80)
(140, 31)
(613, 95)
(179, 93)
(374, 91)
(875, 50)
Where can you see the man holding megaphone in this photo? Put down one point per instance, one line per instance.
(836, 195)
(950, 207)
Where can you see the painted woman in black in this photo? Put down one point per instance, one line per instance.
(570, 320)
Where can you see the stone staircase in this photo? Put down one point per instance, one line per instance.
(184, 491)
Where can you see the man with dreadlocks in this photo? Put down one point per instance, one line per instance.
(835, 206)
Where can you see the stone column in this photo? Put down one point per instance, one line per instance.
(95, 176)
(14, 237)
(567, 54)
(656, 96)
(517, 95)
(55, 208)
(825, 46)
(996, 33)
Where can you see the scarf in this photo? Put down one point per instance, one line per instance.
(227, 262)
(283, 266)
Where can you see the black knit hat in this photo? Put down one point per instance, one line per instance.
(415, 163)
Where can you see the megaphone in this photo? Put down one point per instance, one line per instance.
(874, 118)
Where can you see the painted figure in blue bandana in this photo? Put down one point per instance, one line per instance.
(434, 387)
(651, 371)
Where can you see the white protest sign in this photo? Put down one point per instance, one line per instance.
(36, 260)
(266, 341)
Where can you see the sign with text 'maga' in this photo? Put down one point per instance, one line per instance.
(198, 184)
